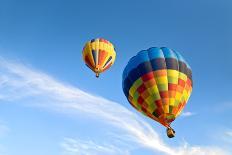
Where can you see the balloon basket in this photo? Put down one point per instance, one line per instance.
(170, 132)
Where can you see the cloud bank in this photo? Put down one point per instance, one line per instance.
(19, 82)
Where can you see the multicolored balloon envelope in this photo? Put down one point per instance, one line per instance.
(99, 55)
(158, 83)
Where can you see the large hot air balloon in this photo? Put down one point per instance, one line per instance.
(99, 55)
(158, 83)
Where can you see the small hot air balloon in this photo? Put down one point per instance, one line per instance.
(158, 83)
(99, 55)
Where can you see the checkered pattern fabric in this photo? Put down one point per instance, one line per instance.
(158, 83)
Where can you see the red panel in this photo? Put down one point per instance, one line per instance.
(181, 82)
(140, 100)
(158, 103)
(103, 40)
(87, 61)
(159, 73)
(172, 86)
(189, 82)
(165, 100)
(163, 94)
(158, 113)
(145, 94)
(150, 83)
(145, 105)
(141, 89)
(148, 76)
(172, 94)
(174, 110)
(101, 57)
(187, 88)
(144, 109)
(180, 89)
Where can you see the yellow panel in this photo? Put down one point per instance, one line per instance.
(171, 101)
(151, 107)
(135, 103)
(132, 90)
(178, 96)
(101, 45)
(110, 52)
(185, 93)
(173, 73)
(166, 108)
(86, 49)
(154, 89)
(183, 76)
(150, 100)
(93, 45)
(162, 80)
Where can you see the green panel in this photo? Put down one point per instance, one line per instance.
(173, 80)
(163, 87)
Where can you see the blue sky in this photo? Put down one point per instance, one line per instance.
(51, 103)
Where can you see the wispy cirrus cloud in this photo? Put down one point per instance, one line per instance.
(226, 136)
(229, 133)
(187, 114)
(75, 146)
(19, 82)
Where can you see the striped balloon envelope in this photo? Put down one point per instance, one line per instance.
(158, 83)
(99, 55)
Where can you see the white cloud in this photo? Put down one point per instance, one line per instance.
(187, 114)
(229, 133)
(226, 136)
(200, 150)
(35, 88)
(74, 147)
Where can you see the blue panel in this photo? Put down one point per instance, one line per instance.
(155, 52)
(142, 56)
(130, 65)
(124, 74)
(179, 57)
(188, 66)
(168, 53)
